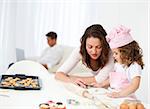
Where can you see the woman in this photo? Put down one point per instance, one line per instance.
(95, 54)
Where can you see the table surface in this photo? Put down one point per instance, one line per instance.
(30, 99)
(51, 90)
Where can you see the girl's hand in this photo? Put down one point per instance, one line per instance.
(113, 95)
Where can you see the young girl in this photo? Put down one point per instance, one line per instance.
(125, 79)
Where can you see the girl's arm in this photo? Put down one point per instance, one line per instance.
(132, 87)
(129, 90)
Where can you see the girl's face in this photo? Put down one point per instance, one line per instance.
(93, 47)
(117, 55)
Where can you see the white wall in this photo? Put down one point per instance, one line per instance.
(31, 20)
(148, 58)
(7, 33)
(109, 14)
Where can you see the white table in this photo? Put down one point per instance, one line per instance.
(51, 90)
(30, 99)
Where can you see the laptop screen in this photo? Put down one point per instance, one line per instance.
(20, 54)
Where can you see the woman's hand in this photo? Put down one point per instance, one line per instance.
(97, 85)
(104, 84)
(78, 82)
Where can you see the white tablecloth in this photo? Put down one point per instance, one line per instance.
(30, 99)
(51, 90)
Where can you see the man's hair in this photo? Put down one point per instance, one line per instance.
(52, 35)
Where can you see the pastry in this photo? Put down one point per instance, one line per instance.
(58, 105)
(44, 106)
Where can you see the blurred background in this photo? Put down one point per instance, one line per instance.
(24, 23)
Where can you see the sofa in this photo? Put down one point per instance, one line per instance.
(80, 69)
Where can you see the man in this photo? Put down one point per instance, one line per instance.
(52, 54)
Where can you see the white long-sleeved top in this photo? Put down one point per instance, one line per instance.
(75, 57)
(51, 56)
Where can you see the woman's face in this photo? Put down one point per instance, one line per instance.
(93, 47)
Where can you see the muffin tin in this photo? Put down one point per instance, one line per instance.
(20, 82)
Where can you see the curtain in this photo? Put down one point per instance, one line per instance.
(23, 24)
(7, 34)
(35, 19)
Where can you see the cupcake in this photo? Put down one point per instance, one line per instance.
(44, 106)
(57, 105)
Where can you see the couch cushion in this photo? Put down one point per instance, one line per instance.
(80, 69)
(66, 52)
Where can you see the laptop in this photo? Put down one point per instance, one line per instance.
(20, 54)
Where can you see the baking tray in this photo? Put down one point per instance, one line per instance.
(20, 82)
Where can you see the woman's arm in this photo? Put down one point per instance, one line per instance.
(102, 75)
(80, 81)
(62, 76)
(104, 84)
(68, 65)
(63, 72)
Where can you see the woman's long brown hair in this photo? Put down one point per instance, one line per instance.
(96, 31)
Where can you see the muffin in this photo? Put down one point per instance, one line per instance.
(57, 105)
(44, 106)
(131, 104)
